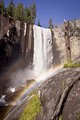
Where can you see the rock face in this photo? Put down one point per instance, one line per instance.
(9, 47)
(16, 49)
(16, 40)
(4, 25)
(60, 42)
(51, 92)
(63, 35)
(59, 50)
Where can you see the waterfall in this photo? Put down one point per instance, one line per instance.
(43, 56)
(24, 29)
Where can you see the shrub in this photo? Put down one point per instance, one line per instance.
(32, 109)
(70, 64)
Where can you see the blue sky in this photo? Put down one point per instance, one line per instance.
(58, 10)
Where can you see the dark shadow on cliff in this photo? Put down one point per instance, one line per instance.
(12, 58)
(10, 50)
(56, 52)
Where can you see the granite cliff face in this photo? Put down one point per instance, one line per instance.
(15, 41)
(62, 34)
(66, 39)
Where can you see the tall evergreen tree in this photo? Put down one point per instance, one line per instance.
(2, 6)
(32, 9)
(11, 8)
(27, 15)
(19, 12)
(39, 23)
(50, 23)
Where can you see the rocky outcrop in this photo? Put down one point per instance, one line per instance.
(16, 41)
(66, 40)
(4, 25)
(60, 96)
(10, 48)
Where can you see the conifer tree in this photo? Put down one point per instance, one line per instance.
(11, 8)
(32, 9)
(27, 15)
(50, 24)
(19, 12)
(2, 6)
(39, 23)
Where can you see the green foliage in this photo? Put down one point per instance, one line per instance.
(70, 64)
(39, 23)
(32, 9)
(10, 9)
(32, 109)
(19, 12)
(27, 15)
(2, 9)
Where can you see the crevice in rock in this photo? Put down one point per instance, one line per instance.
(60, 106)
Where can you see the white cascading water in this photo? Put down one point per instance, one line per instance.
(42, 58)
(42, 61)
(24, 29)
(43, 55)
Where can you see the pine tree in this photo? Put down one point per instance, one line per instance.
(32, 9)
(50, 24)
(11, 8)
(27, 15)
(19, 12)
(2, 6)
(39, 23)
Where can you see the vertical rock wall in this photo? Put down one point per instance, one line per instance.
(59, 50)
(59, 42)
(26, 40)
(4, 25)
(24, 37)
(75, 40)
